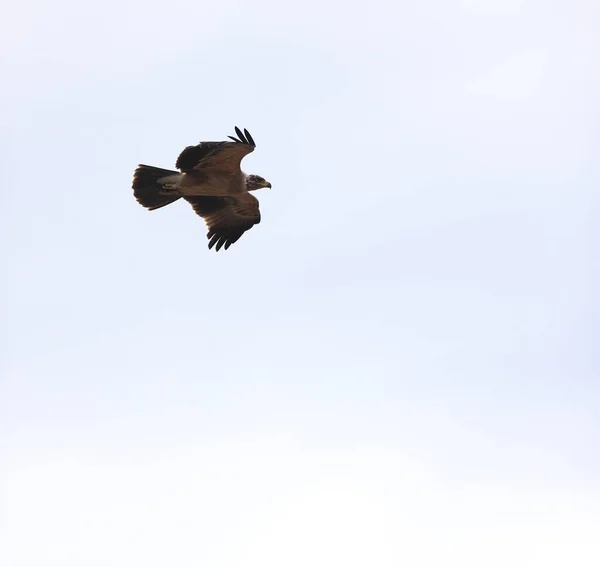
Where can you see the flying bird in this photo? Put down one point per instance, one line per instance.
(211, 180)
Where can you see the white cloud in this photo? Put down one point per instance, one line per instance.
(496, 7)
(517, 79)
(271, 502)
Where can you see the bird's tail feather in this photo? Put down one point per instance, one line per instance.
(149, 186)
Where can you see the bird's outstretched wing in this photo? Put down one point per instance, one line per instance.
(223, 156)
(227, 218)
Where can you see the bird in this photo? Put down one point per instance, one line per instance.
(210, 179)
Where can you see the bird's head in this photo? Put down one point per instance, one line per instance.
(254, 182)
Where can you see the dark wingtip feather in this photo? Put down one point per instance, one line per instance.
(244, 137)
(249, 138)
(240, 135)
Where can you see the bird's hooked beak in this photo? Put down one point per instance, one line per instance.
(268, 185)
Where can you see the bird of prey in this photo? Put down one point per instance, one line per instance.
(211, 180)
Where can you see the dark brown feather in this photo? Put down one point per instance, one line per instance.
(249, 138)
(210, 154)
(193, 155)
(240, 135)
(148, 186)
(227, 218)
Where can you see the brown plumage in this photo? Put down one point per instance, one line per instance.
(211, 180)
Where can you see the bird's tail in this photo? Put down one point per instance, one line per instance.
(150, 186)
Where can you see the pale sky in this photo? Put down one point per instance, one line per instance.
(395, 368)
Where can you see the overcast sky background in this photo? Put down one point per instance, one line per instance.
(398, 366)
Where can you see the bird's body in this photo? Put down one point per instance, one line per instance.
(211, 180)
(215, 183)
